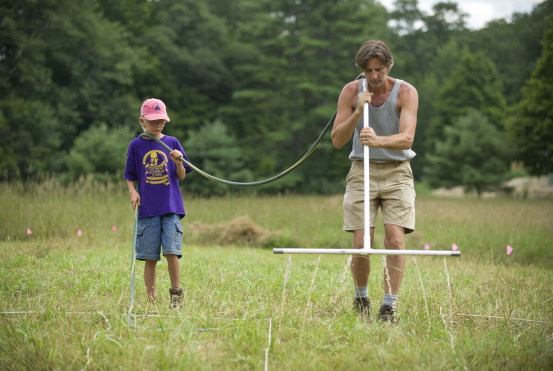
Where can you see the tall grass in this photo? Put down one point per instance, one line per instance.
(482, 311)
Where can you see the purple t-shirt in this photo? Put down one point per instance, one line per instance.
(150, 164)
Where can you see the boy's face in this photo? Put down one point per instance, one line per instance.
(154, 127)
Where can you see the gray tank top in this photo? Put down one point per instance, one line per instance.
(385, 122)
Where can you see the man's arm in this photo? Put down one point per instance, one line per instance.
(347, 115)
(408, 104)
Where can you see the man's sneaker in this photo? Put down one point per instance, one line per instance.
(362, 307)
(177, 298)
(387, 314)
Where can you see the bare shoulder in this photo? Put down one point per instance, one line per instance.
(407, 90)
(349, 92)
(351, 87)
(408, 95)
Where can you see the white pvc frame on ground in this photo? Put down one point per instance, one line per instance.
(367, 250)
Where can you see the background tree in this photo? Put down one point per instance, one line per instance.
(472, 154)
(288, 90)
(186, 48)
(64, 69)
(532, 130)
(271, 71)
(446, 18)
(514, 47)
(426, 50)
(213, 150)
(405, 16)
(101, 152)
(446, 57)
(473, 85)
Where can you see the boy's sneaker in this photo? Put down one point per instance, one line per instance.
(177, 298)
(362, 307)
(387, 314)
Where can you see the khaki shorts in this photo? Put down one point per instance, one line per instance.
(391, 188)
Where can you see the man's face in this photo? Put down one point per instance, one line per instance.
(376, 72)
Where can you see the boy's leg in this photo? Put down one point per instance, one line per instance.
(148, 242)
(150, 278)
(176, 292)
(171, 241)
(173, 265)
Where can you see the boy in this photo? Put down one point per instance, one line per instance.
(159, 198)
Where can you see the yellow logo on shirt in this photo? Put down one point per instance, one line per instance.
(155, 163)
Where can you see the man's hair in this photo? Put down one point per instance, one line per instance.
(371, 49)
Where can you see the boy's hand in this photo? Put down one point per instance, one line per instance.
(175, 155)
(135, 199)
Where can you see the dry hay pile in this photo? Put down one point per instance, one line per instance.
(240, 231)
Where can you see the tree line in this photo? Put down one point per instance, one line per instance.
(250, 84)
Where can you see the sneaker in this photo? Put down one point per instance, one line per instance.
(362, 306)
(387, 314)
(177, 298)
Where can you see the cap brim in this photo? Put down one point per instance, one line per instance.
(159, 116)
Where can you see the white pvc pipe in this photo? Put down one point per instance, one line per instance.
(366, 178)
(368, 252)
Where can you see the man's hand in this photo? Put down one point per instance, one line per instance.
(368, 137)
(362, 98)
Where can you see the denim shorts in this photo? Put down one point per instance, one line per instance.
(155, 232)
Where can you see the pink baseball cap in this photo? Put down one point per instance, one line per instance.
(154, 109)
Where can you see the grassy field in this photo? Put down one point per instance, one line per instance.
(64, 298)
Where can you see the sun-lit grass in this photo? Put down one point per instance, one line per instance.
(482, 311)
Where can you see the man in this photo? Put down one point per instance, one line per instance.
(393, 105)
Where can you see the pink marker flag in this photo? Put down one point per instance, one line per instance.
(454, 247)
(29, 231)
(114, 228)
(509, 250)
(79, 233)
(426, 246)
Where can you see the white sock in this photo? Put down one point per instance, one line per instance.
(361, 292)
(389, 300)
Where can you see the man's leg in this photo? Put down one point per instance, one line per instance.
(360, 270)
(360, 264)
(395, 264)
(393, 272)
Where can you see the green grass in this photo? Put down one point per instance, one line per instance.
(74, 291)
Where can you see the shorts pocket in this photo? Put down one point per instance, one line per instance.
(405, 172)
(140, 238)
(178, 235)
(354, 179)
